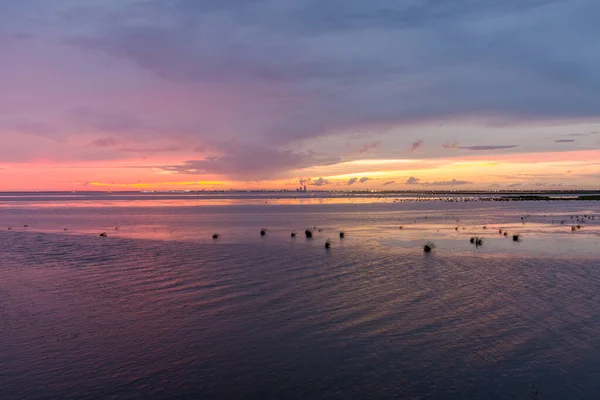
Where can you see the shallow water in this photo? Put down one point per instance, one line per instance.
(158, 309)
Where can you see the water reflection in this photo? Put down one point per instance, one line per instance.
(137, 318)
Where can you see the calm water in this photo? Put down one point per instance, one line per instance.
(160, 310)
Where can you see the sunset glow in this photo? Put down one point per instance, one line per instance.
(125, 100)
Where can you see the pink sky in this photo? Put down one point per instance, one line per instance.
(137, 97)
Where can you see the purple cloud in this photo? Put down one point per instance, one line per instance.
(248, 162)
(369, 146)
(450, 145)
(484, 148)
(353, 81)
(412, 181)
(105, 142)
(352, 181)
(564, 141)
(364, 179)
(320, 182)
(416, 145)
(389, 183)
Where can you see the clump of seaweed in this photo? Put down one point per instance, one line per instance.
(477, 241)
(103, 234)
(308, 233)
(263, 231)
(342, 234)
(293, 234)
(215, 236)
(428, 247)
(516, 238)
(328, 244)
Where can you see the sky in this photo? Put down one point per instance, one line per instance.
(275, 94)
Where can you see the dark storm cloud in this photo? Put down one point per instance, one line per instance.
(341, 64)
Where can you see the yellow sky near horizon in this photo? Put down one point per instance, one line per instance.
(576, 169)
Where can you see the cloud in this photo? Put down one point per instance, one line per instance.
(416, 181)
(582, 134)
(455, 145)
(311, 182)
(369, 146)
(319, 182)
(564, 141)
(152, 150)
(389, 183)
(416, 145)
(105, 142)
(453, 182)
(514, 185)
(484, 148)
(412, 181)
(245, 161)
(450, 145)
(284, 48)
(277, 74)
(352, 181)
